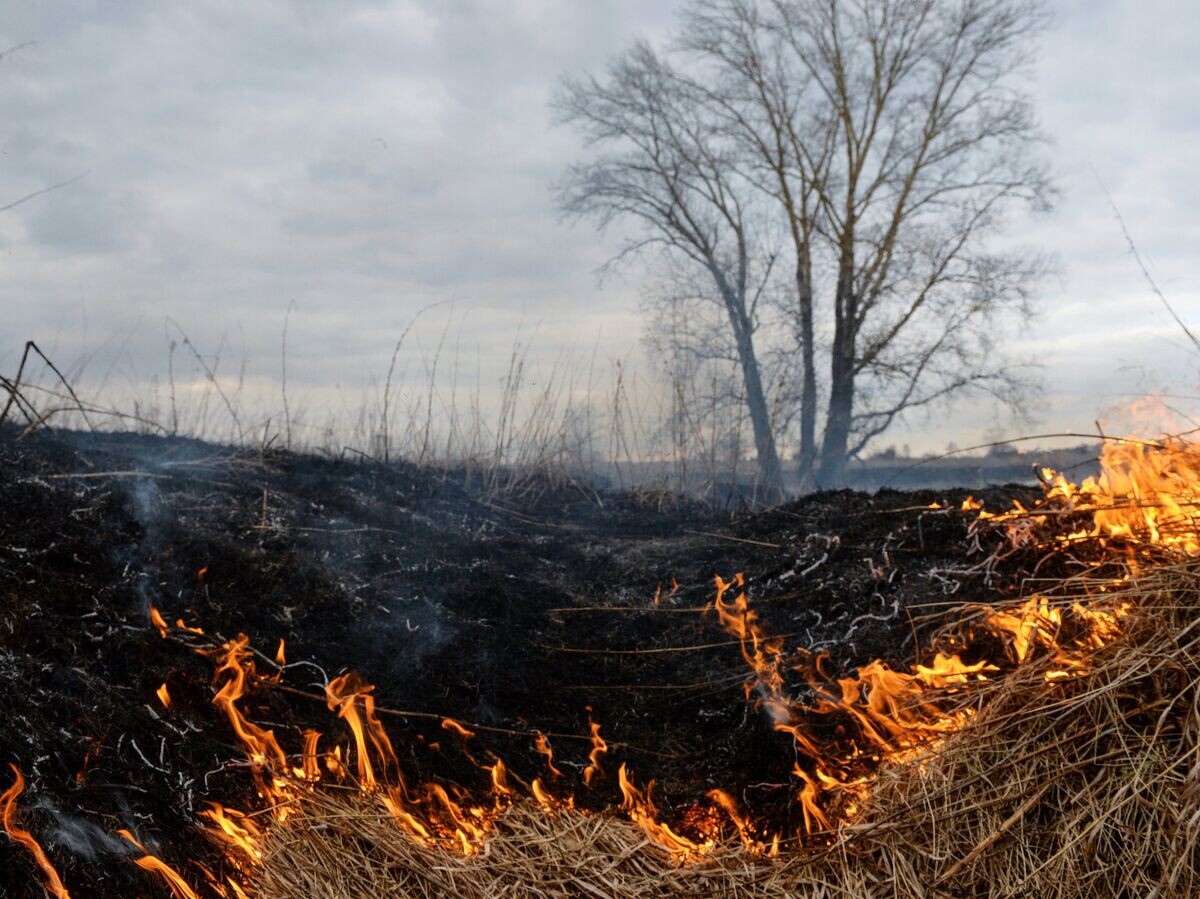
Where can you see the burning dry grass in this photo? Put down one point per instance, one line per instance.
(1074, 786)
(344, 846)
(1064, 784)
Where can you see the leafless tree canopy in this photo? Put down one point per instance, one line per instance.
(834, 177)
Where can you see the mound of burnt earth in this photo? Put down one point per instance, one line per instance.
(542, 614)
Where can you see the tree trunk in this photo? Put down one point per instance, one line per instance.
(808, 385)
(769, 473)
(841, 374)
(837, 423)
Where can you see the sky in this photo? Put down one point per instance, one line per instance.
(358, 162)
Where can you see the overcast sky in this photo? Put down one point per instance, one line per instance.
(365, 160)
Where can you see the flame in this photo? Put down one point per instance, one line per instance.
(741, 821)
(1147, 494)
(542, 746)
(642, 811)
(449, 724)
(236, 661)
(763, 655)
(344, 695)
(1146, 490)
(8, 813)
(147, 862)
(897, 714)
(599, 747)
(499, 779)
(545, 800)
(240, 830)
(310, 769)
(881, 713)
(164, 695)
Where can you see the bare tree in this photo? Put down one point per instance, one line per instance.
(667, 163)
(888, 141)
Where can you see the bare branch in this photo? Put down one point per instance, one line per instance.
(45, 190)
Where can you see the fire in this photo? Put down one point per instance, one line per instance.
(599, 747)
(896, 714)
(449, 724)
(879, 714)
(642, 811)
(164, 695)
(236, 662)
(240, 830)
(345, 695)
(156, 619)
(542, 746)
(1147, 491)
(8, 811)
(745, 828)
(310, 770)
(178, 886)
(1146, 495)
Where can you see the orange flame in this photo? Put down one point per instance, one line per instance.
(542, 746)
(641, 809)
(237, 663)
(156, 619)
(164, 695)
(8, 802)
(343, 695)
(449, 724)
(895, 711)
(240, 831)
(310, 770)
(1147, 495)
(599, 747)
(178, 886)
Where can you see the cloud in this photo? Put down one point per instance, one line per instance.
(366, 159)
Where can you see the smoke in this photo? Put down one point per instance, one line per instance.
(83, 838)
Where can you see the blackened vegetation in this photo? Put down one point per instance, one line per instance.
(505, 613)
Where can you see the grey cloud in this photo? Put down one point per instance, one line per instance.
(365, 159)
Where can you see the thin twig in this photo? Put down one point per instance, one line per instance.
(45, 190)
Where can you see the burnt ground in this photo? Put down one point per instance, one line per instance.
(514, 613)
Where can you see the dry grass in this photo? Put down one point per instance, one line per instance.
(1086, 786)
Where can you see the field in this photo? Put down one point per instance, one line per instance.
(538, 659)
